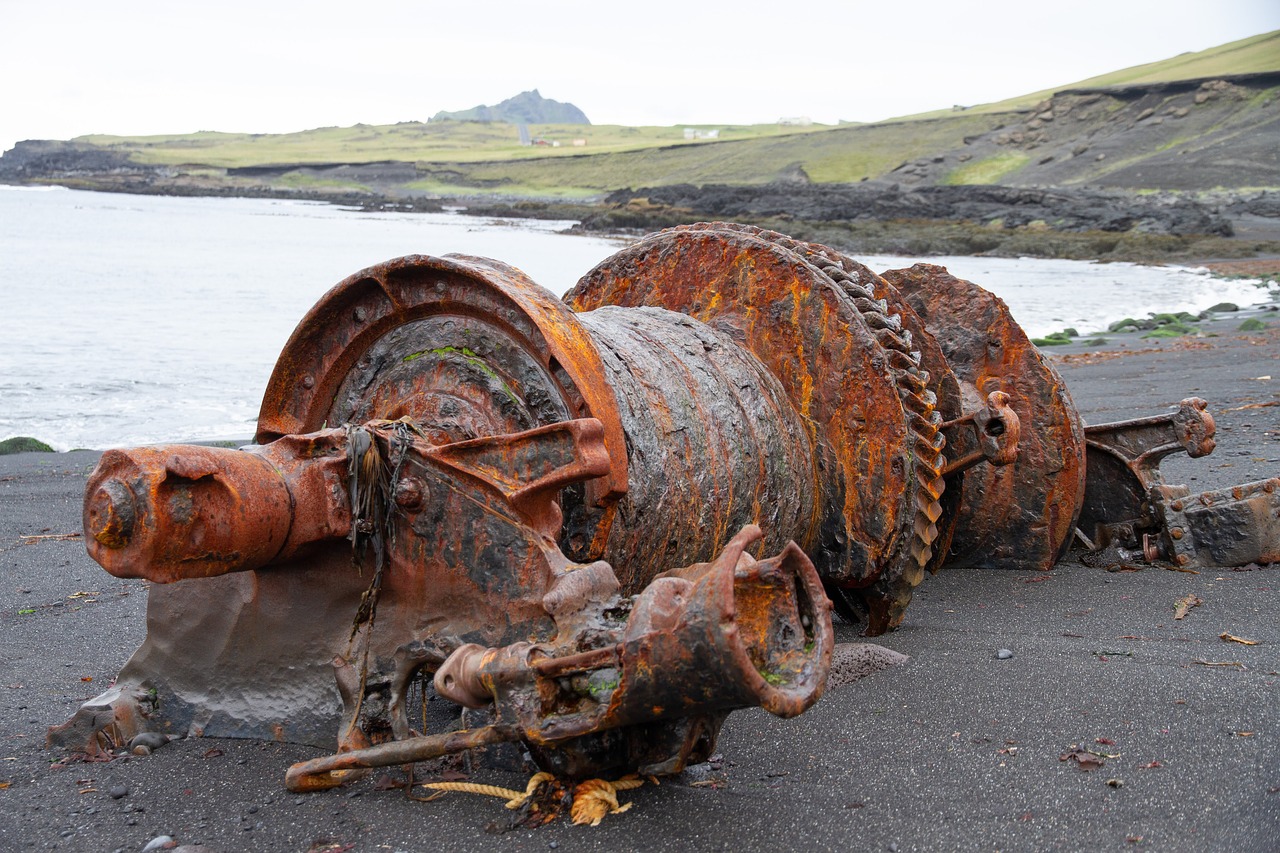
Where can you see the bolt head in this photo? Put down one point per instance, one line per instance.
(411, 493)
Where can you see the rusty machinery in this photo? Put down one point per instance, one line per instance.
(549, 504)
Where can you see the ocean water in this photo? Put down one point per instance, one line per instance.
(132, 320)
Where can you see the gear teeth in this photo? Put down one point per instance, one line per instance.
(886, 599)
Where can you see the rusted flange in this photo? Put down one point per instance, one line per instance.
(1021, 515)
(469, 345)
(882, 604)
(809, 334)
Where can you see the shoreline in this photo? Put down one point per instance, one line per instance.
(955, 744)
(947, 228)
(1098, 343)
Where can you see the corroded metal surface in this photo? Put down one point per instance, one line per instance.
(1124, 466)
(880, 605)
(549, 508)
(1021, 515)
(1228, 527)
(696, 644)
(848, 367)
(713, 444)
(1132, 514)
(467, 346)
(459, 509)
(792, 317)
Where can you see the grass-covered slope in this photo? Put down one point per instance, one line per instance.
(1253, 55)
(436, 141)
(1152, 132)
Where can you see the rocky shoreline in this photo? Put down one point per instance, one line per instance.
(870, 217)
(879, 218)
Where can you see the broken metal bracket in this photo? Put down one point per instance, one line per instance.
(1226, 527)
(996, 430)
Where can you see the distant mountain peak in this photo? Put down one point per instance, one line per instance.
(525, 108)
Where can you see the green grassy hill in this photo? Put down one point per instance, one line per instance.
(1143, 136)
(437, 141)
(1251, 55)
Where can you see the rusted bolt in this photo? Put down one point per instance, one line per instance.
(1182, 559)
(1238, 493)
(1206, 500)
(359, 314)
(1269, 486)
(411, 492)
(308, 381)
(1176, 533)
(110, 514)
(1176, 506)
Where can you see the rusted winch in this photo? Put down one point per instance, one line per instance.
(519, 475)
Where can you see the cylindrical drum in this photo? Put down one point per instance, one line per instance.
(713, 444)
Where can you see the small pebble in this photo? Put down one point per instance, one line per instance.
(160, 842)
(1004, 654)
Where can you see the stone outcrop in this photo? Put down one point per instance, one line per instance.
(1061, 209)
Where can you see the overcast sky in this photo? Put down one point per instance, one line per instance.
(71, 67)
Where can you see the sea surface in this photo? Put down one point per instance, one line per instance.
(128, 320)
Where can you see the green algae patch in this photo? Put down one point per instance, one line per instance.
(23, 444)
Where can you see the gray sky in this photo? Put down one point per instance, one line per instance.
(71, 67)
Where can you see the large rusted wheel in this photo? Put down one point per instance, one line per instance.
(828, 342)
(465, 346)
(1020, 515)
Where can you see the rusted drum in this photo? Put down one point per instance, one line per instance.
(468, 347)
(1021, 515)
(713, 444)
(811, 335)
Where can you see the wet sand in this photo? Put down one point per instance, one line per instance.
(955, 750)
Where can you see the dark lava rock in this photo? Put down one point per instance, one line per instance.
(1060, 209)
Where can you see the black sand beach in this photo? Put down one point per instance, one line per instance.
(955, 750)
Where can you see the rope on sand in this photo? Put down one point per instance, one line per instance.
(592, 799)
